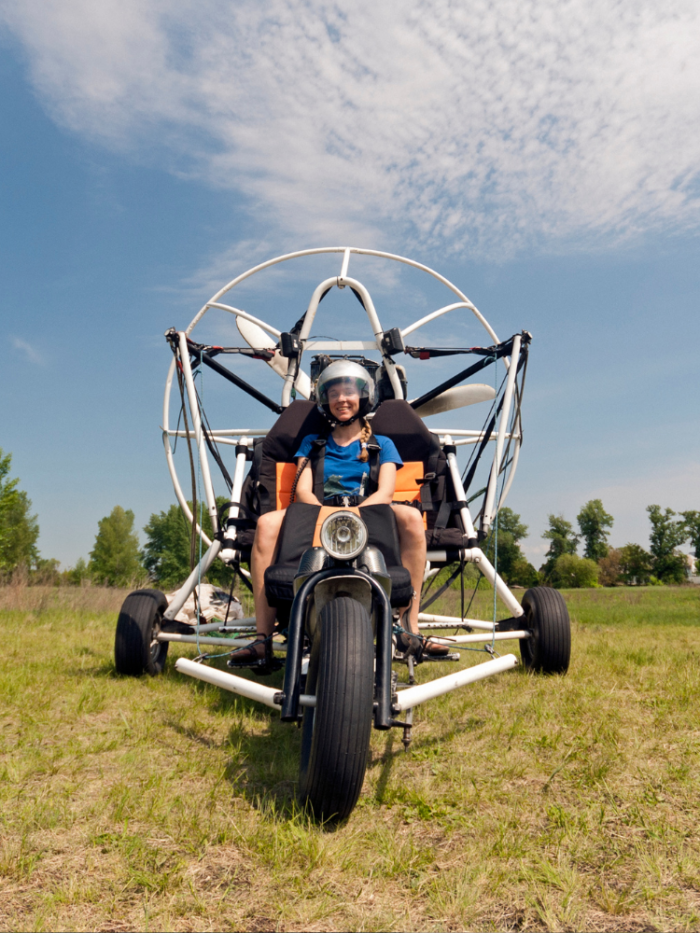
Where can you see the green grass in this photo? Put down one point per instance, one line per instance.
(524, 802)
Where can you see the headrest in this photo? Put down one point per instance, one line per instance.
(290, 429)
(396, 419)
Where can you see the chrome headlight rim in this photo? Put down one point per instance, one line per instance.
(326, 534)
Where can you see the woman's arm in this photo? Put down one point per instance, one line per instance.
(387, 485)
(305, 486)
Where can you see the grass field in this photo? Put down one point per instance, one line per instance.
(524, 802)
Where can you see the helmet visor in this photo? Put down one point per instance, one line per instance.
(333, 390)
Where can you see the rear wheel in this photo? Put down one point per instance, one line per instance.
(336, 732)
(135, 646)
(548, 650)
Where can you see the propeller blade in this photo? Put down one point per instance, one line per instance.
(457, 397)
(259, 339)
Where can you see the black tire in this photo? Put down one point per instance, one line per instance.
(135, 647)
(548, 650)
(336, 733)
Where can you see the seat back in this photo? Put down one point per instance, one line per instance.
(422, 455)
(269, 482)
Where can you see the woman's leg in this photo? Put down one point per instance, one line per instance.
(261, 557)
(409, 522)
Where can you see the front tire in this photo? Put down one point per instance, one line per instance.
(135, 647)
(336, 732)
(548, 650)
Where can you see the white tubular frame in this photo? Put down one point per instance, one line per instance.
(503, 422)
(211, 640)
(341, 281)
(199, 435)
(486, 631)
(245, 688)
(238, 476)
(407, 699)
(180, 598)
(460, 493)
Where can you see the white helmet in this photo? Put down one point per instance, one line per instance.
(345, 371)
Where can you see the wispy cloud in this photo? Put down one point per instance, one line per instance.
(28, 350)
(488, 125)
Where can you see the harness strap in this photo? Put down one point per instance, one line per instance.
(318, 460)
(373, 449)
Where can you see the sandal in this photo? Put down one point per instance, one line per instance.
(251, 655)
(408, 644)
(434, 649)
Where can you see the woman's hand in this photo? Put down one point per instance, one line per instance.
(387, 486)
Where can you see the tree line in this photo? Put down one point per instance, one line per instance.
(170, 551)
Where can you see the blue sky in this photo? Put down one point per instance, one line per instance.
(546, 163)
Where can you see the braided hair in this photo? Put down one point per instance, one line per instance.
(364, 438)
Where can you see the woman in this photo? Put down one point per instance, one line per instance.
(345, 393)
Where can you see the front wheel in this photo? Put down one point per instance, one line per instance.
(548, 649)
(336, 732)
(136, 648)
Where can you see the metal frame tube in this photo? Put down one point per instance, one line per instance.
(211, 640)
(228, 552)
(245, 688)
(290, 378)
(180, 598)
(469, 639)
(180, 496)
(503, 423)
(242, 625)
(460, 493)
(412, 696)
(450, 620)
(376, 326)
(477, 556)
(197, 421)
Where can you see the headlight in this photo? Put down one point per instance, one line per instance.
(343, 535)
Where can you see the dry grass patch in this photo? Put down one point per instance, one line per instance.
(524, 802)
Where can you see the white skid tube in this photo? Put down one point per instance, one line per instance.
(212, 640)
(411, 697)
(447, 621)
(468, 639)
(238, 625)
(239, 685)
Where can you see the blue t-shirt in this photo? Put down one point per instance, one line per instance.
(343, 473)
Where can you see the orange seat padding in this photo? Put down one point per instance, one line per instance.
(285, 480)
(407, 489)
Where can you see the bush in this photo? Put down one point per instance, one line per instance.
(522, 573)
(610, 568)
(635, 564)
(572, 571)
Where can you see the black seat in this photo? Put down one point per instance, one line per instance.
(296, 533)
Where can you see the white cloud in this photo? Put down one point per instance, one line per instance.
(481, 125)
(28, 350)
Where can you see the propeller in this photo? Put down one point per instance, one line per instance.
(457, 397)
(259, 339)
